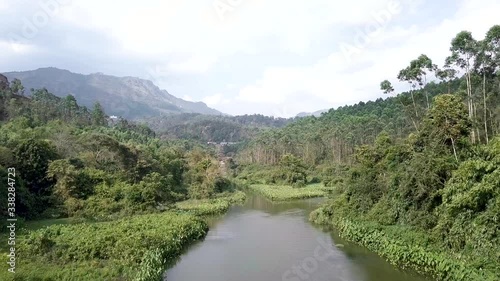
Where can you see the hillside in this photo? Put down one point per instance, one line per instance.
(210, 128)
(129, 97)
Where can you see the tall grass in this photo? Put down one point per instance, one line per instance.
(285, 193)
(136, 248)
(405, 247)
(211, 206)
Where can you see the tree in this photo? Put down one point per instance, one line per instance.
(408, 75)
(463, 54)
(98, 115)
(33, 157)
(17, 87)
(421, 65)
(70, 107)
(293, 170)
(487, 64)
(386, 86)
(447, 120)
(446, 75)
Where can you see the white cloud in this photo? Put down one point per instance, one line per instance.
(276, 57)
(178, 26)
(187, 98)
(17, 48)
(337, 81)
(194, 64)
(215, 100)
(4, 5)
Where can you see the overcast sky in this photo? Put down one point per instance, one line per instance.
(275, 57)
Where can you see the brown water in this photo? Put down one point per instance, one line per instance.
(264, 241)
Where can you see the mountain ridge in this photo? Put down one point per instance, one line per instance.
(129, 97)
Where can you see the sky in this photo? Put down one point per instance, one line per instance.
(272, 57)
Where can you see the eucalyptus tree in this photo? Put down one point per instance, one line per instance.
(446, 75)
(408, 75)
(422, 65)
(492, 49)
(386, 86)
(463, 55)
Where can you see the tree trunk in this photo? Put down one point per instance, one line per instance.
(414, 104)
(485, 109)
(470, 105)
(454, 149)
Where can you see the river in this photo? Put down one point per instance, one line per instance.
(265, 241)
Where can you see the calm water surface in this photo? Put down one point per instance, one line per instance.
(264, 241)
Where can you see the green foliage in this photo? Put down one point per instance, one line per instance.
(217, 205)
(284, 193)
(292, 171)
(210, 128)
(71, 163)
(405, 247)
(136, 248)
(98, 115)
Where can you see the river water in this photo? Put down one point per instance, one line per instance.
(265, 241)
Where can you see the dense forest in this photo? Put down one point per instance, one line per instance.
(213, 128)
(78, 162)
(113, 179)
(420, 168)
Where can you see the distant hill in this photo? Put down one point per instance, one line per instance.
(214, 128)
(316, 113)
(129, 97)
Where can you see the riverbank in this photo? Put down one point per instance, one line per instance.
(135, 248)
(406, 248)
(211, 206)
(286, 193)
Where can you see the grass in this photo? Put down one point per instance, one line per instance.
(135, 248)
(214, 206)
(285, 193)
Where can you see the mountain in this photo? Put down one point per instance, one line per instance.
(129, 97)
(316, 113)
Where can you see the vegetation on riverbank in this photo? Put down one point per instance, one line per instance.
(136, 248)
(285, 193)
(406, 247)
(213, 206)
(421, 168)
(113, 177)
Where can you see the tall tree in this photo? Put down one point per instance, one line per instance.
(446, 75)
(386, 86)
(463, 54)
(409, 75)
(17, 87)
(422, 65)
(98, 115)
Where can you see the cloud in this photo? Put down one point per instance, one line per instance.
(335, 81)
(276, 57)
(215, 100)
(194, 64)
(4, 5)
(187, 98)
